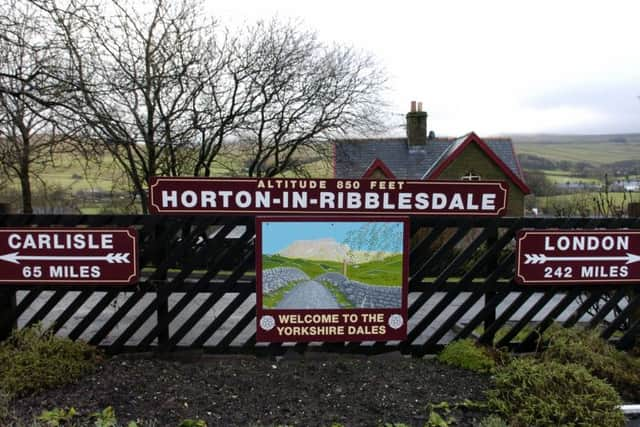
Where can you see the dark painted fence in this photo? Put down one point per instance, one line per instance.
(197, 289)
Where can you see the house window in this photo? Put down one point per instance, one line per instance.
(470, 176)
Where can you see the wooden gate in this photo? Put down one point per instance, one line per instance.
(197, 289)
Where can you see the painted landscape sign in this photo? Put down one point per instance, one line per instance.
(331, 279)
(69, 255)
(182, 195)
(578, 256)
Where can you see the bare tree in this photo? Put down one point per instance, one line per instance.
(28, 129)
(134, 71)
(307, 92)
(163, 91)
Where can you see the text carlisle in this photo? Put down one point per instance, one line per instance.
(212, 195)
(68, 255)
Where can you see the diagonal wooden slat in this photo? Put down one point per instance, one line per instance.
(423, 324)
(488, 308)
(489, 332)
(606, 308)
(630, 337)
(417, 275)
(453, 318)
(461, 258)
(528, 342)
(593, 298)
(238, 328)
(199, 286)
(93, 314)
(621, 317)
(71, 309)
(46, 308)
(219, 320)
(546, 297)
(116, 317)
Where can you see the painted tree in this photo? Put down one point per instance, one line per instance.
(381, 238)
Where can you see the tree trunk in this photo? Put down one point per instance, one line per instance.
(25, 184)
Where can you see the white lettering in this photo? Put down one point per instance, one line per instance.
(354, 201)
(371, 201)
(208, 199)
(14, 241)
(404, 201)
(189, 199)
(263, 199)
(327, 200)
(422, 201)
(456, 202)
(438, 201)
(488, 202)
(243, 199)
(169, 198)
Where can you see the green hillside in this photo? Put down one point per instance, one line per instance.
(385, 272)
(597, 149)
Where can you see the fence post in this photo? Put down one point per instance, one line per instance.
(633, 210)
(492, 264)
(162, 292)
(7, 298)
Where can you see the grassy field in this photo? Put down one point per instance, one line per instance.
(385, 272)
(597, 149)
(557, 176)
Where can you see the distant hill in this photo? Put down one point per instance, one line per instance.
(595, 149)
(551, 138)
(327, 250)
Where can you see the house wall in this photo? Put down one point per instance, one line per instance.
(378, 174)
(473, 158)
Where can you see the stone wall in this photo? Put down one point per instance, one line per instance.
(275, 278)
(362, 295)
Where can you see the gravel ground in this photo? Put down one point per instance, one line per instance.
(314, 390)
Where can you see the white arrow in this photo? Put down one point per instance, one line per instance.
(111, 258)
(542, 258)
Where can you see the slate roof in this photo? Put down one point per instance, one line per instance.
(353, 156)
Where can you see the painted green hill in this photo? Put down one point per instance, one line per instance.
(386, 272)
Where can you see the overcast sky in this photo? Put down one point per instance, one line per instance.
(488, 66)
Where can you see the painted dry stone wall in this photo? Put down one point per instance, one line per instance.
(362, 295)
(275, 278)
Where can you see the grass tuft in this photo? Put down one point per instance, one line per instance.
(34, 359)
(466, 354)
(532, 393)
(601, 359)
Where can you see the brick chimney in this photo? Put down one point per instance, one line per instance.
(416, 125)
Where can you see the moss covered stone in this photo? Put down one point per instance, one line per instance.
(467, 355)
(532, 393)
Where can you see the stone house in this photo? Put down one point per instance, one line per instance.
(421, 155)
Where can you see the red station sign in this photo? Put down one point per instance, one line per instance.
(182, 195)
(68, 255)
(584, 256)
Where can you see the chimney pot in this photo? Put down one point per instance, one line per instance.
(416, 125)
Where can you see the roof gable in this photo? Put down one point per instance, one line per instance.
(378, 165)
(458, 146)
(353, 157)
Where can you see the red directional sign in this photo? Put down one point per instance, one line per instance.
(584, 256)
(246, 196)
(69, 255)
